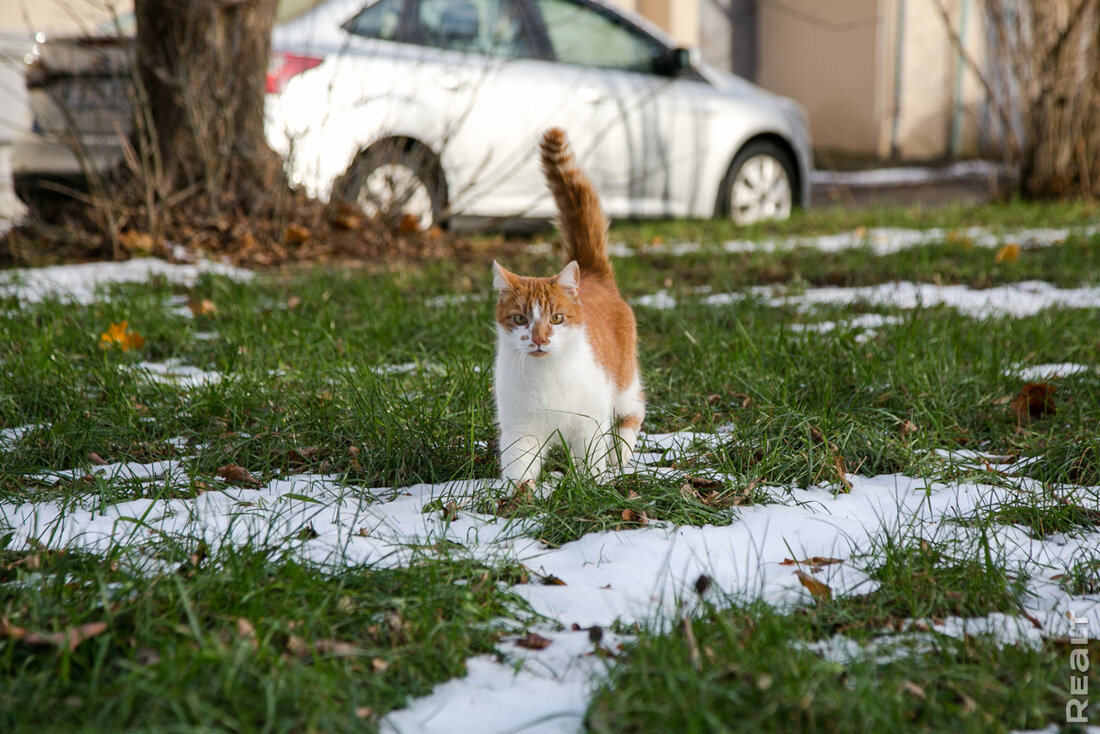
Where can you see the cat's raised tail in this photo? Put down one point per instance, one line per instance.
(580, 216)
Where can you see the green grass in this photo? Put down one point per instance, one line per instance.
(244, 640)
(305, 388)
(747, 667)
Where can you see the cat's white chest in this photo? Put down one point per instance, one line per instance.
(565, 387)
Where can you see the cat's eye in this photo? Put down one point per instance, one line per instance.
(557, 318)
(519, 319)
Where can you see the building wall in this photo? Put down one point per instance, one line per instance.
(825, 56)
(880, 79)
(941, 100)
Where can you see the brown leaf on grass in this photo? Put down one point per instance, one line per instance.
(134, 241)
(298, 457)
(703, 482)
(293, 302)
(1034, 400)
(409, 224)
(908, 427)
(817, 589)
(841, 470)
(364, 712)
(450, 511)
(1009, 253)
(235, 473)
(816, 563)
(335, 648)
(296, 234)
(345, 216)
(96, 459)
(913, 690)
(378, 665)
(245, 629)
(533, 641)
(552, 580)
(202, 307)
(69, 638)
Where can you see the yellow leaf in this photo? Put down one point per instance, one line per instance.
(1010, 253)
(121, 336)
(816, 588)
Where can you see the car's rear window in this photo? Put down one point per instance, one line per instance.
(378, 20)
(491, 27)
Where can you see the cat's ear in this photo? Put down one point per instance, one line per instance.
(502, 279)
(569, 278)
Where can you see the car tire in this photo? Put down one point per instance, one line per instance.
(760, 184)
(393, 179)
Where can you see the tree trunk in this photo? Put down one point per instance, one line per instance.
(202, 65)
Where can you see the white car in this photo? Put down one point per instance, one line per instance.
(434, 108)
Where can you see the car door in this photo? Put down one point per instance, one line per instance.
(650, 117)
(481, 72)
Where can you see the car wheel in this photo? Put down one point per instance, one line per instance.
(759, 184)
(396, 179)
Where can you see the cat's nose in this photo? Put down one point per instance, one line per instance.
(539, 339)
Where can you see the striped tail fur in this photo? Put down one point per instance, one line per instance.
(580, 217)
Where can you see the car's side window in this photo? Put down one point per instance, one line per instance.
(380, 20)
(582, 35)
(492, 27)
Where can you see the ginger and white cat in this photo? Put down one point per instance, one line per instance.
(566, 364)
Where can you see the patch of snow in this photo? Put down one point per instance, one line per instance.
(175, 372)
(171, 469)
(864, 322)
(879, 240)
(1040, 372)
(455, 299)
(80, 283)
(662, 300)
(10, 436)
(1016, 300)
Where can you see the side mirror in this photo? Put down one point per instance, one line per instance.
(673, 62)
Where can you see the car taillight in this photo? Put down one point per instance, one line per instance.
(284, 66)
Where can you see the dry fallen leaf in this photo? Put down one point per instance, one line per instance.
(296, 234)
(817, 589)
(1033, 401)
(335, 648)
(379, 665)
(533, 641)
(409, 224)
(135, 241)
(234, 473)
(816, 563)
(1009, 253)
(120, 335)
(914, 690)
(69, 638)
(202, 307)
(552, 580)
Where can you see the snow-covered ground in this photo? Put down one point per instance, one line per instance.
(646, 574)
(642, 575)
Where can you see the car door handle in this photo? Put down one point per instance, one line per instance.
(592, 95)
(452, 82)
